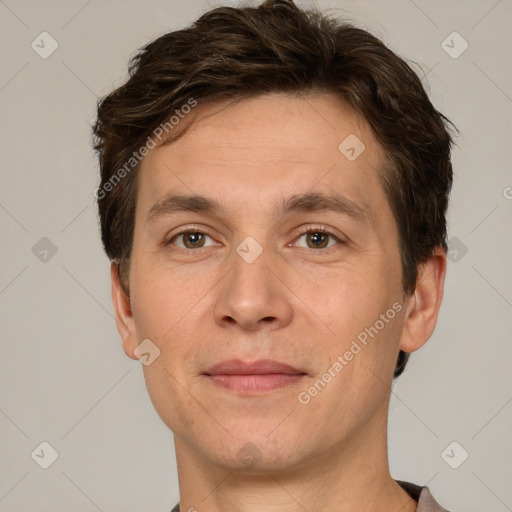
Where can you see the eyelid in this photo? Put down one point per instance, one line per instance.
(185, 230)
(313, 228)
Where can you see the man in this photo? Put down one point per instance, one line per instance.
(273, 194)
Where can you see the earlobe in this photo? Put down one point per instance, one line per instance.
(123, 312)
(423, 308)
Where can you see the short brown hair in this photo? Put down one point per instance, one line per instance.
(236, 53)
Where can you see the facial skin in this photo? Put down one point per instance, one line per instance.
(296, 303)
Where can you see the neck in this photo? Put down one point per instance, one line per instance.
(348, 478)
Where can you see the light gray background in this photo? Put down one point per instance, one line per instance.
(64, 378)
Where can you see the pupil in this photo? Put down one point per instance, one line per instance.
(194, 238)
(318, 238)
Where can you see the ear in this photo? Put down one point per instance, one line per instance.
(423, 306)
(123, 311)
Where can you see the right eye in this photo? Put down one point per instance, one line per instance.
(190, 239)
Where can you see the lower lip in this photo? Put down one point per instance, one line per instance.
(256, 383)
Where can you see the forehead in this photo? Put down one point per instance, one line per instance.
(270, 145)
(299, 128)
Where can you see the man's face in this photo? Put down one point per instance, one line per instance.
(259, 281)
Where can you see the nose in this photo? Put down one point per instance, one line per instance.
(253, 295)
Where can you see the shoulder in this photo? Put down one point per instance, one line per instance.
(426, 502)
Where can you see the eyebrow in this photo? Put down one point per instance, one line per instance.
(308, 202)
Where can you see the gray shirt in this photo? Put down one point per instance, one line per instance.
(426, 502)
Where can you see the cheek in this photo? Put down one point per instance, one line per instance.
(362, 310)
(161, 308)
(163, 296)
(152, 310)
(350, 298)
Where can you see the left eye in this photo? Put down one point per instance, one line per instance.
(318, 239)
(192, 239)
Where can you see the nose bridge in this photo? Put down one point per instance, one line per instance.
(251, 292)
(249, 281)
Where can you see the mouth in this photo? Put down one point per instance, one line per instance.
(253, 378)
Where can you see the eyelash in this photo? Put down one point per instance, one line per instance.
(319, 229)
(306, 230)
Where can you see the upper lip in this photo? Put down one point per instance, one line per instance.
(261, 367)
